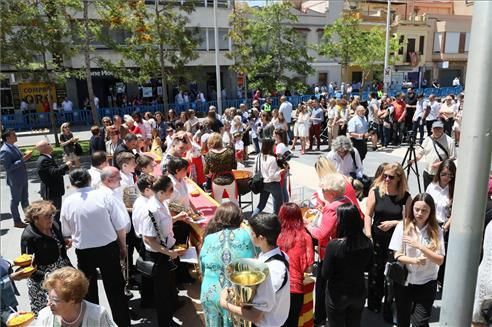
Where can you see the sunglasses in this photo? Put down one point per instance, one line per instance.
(390, 177)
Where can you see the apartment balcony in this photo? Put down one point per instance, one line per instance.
(450, 56)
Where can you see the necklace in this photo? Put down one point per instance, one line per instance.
(76, 319)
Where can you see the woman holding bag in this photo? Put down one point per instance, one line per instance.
(266, 164)
(420, 247)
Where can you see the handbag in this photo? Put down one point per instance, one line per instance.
(256, 183)
(148, 267)
(77, 149)
(396, 271)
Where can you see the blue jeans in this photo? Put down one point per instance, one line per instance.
(275, 190)
(20, 194)
(386, 136)
(257, 145)
(417, 125)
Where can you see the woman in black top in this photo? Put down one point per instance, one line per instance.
(346, 259)
(384, 209)
(43, 238)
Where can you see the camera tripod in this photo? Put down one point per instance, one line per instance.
(413, 167)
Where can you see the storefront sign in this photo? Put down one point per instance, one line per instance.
(35, 94)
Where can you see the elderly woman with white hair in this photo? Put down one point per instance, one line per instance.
(324, 230)
(358, 130)
(346, 157)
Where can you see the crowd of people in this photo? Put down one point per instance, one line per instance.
(135, 197)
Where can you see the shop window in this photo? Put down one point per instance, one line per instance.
(452, 42)
(438, 41)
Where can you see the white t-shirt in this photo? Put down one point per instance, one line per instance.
(420, 107)
(281, 149)
(164, 222)
(417, 274)
(372, 106)
(286, 110)
(442, 201)
(95, 177)
(345, 165)
(273, 301)
(139, 212)
(434, 112)
(180, 194)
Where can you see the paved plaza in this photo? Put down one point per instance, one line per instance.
(304, 182)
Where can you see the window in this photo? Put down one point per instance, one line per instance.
(452, 42)
(223, 39)
(6, 99)
(461, 46)
(400, 43)
(421, 44)
(202, 39)
(410, 48)
(438, 40)
(467, 41)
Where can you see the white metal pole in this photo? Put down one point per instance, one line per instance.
(217, 65)
(472, 177)
(386, 73)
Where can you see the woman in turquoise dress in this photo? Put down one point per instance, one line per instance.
(224, 242)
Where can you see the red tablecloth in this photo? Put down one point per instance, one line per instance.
(203, 204)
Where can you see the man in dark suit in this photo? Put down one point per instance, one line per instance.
(130, 142)
(51, 175)
(14, 162)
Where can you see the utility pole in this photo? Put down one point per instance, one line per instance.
(387, 70)
(472, 178)
(217, 65)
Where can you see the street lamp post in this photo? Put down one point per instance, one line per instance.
(387, 71)
(217, 65)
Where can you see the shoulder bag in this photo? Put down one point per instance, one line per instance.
(396, 271)
(256, 183)
(434, 143)
(147, 267)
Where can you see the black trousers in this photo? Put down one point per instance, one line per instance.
(428, 125)
(319, 304)
(448, 126)
(361, 146)
(376, 283)
(146, 286)
(427, 179)
(344, 311)
(107, 259)
(164, 287)
(414, 303)
(132, 243)
(296, 302)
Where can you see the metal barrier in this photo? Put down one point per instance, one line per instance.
(30, 121)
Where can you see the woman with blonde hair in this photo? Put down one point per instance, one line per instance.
(384, 210)
(69, 143)
(418, 243)
(67, 288)
(325, 167)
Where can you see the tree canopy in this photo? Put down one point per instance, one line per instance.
(267, 48)
(351, 45)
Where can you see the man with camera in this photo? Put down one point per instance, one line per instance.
(435, 149)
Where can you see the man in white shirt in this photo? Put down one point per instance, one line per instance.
(418, 116)
(67, 107)
(271, 304)
(431, 113)
(435, 149)
(99, 161)
(286, 110)
(98, 232)
(345, 157)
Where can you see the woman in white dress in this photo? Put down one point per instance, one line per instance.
(332, 115)
(303, 126)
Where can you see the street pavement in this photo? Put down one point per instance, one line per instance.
(303, 182)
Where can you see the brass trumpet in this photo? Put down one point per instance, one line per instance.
(245, 276)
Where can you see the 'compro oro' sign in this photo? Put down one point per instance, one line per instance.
(37, 93)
